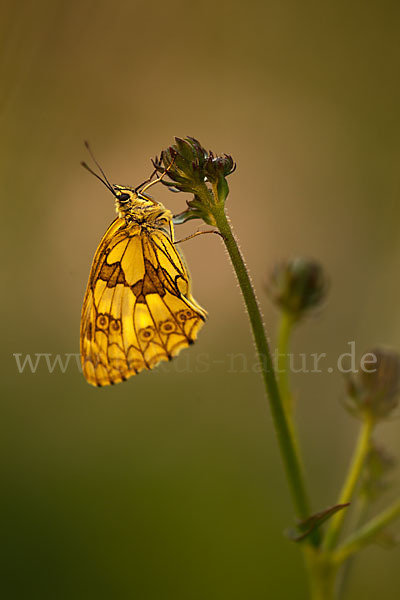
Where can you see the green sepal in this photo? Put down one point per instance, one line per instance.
(222, 189)
(186, 215)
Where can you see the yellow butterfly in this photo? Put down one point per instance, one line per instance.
(138, 309)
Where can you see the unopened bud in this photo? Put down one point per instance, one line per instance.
(297, 286)
(376, 391)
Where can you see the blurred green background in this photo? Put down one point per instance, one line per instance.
(170, 486)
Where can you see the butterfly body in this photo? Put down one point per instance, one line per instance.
(138, 309)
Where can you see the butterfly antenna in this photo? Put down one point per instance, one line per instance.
(104, 180)
(86, 166)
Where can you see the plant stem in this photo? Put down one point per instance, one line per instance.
(367, 532)
(359, 515)
(284, 330)
(346, 495)
(322, 574)
(286, 442)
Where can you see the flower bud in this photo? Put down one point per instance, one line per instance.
(297, 286)
(376, 392)
(192, 169)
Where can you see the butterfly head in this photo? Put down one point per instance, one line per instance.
(131, 204)
(124, 196)
(126, 199)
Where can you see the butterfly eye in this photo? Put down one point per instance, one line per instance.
(123, 197)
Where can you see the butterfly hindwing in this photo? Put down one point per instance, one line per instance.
(138, 309)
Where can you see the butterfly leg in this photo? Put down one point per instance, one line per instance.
(146, 187)
(189, 237)
(137, 189)
(171, 232)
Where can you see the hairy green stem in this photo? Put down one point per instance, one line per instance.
(346, 495)
(367, 532)
(286, 442)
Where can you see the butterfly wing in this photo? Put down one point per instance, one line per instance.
(138, 308)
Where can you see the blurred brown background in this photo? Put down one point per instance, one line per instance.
(170, 486)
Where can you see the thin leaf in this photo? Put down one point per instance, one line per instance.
(305, 528)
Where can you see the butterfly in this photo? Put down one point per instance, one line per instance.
(138, 309)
